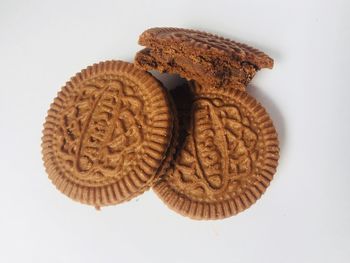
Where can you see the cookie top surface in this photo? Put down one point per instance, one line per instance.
(107, 133)
(227, 159)
(205, 43)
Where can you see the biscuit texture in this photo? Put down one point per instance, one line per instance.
(227, 157)
(107, 134)
(208, 59)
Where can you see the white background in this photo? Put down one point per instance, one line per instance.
(304, 215)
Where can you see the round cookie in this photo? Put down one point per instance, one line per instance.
(208, 59)
(107, 134)
(227, 158)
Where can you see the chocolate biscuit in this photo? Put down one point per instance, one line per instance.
(208, 59)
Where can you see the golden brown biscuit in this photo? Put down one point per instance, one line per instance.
(107, 134)
(227, 158)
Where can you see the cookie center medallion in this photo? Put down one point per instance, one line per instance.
(101, 130)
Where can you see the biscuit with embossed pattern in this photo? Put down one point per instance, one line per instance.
(227, 158)
(107, 134)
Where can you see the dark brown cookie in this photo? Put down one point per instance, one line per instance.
(227, 158)
(208, 59)
(107, 134)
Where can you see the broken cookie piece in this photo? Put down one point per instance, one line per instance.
(208, 59)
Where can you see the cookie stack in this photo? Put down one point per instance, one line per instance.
(208, 149)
